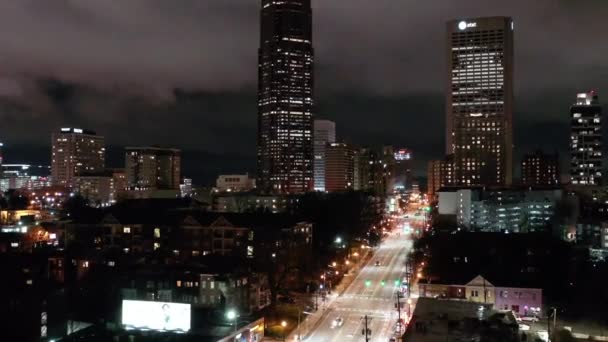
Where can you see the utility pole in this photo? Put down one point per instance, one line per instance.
(366, 332)
(399, 311)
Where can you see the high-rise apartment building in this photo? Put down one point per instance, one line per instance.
(479, 104)
(153, 168)
(540, 169)
(285, 97)
(76, 152)
(339, 167)
(324, 133)
(586, 140)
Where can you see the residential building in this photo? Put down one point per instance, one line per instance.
(586, 140)
(153, 168)
(76, 151)
(250, 202)
(339, 167)
(98, 189)
(540, 169)
(324, 133)
(285, 97)
(436, 319)
(522, 301)
(480, 100)
(234, 183)
(119, 177)
(501, 210)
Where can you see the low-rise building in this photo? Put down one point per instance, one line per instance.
(234, 183)
(523, 301)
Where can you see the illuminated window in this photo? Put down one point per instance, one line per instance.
(126, 230)
(157, 233)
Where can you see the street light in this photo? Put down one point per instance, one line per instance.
(334, 264)
(338, 240)
(284, 324)
(231, 315)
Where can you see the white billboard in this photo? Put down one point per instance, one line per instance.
(138, 314)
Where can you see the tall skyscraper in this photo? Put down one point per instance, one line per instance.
(540, 169)
(285, 97)
(76, 152)
(339, 168)
(153, 168)
(324, 133)
(403, 170)
(586, 140)
(479, 105)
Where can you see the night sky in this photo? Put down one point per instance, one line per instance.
(184, 73)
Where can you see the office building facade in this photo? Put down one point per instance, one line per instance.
(285, 97)
(153, 168)
(586, 140)
(339, 167)
(540, 169)
(76, 152)
(479, 104)
(324, 133)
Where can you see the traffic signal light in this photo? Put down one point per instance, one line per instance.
(396, 282)
(368, 283)
(382, 283)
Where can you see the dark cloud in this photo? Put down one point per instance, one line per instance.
(114, 67)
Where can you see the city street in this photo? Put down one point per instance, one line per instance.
(367, 295)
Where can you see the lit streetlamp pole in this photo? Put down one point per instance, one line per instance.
(284, 325)
(231, 315)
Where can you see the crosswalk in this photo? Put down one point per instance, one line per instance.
(364, 297)
(373, 313)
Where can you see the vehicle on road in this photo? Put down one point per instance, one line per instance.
(338, 322)
(532, 319)
(377, 263)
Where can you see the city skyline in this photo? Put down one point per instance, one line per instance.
(40, 93)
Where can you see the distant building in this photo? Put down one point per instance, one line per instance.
(248, 202)
(76, 151)
(98, 189)
(440, 174)
(24, 176)
(153, 168)
(540, 169)
(586, 140)
(119, 177)
(1, 158)
(186, 187)
(375, 170)
(339, 167)
(325, 133)
(479, 104)
(498, 210)
(285, 97)
(234, 183)
(403, 169)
